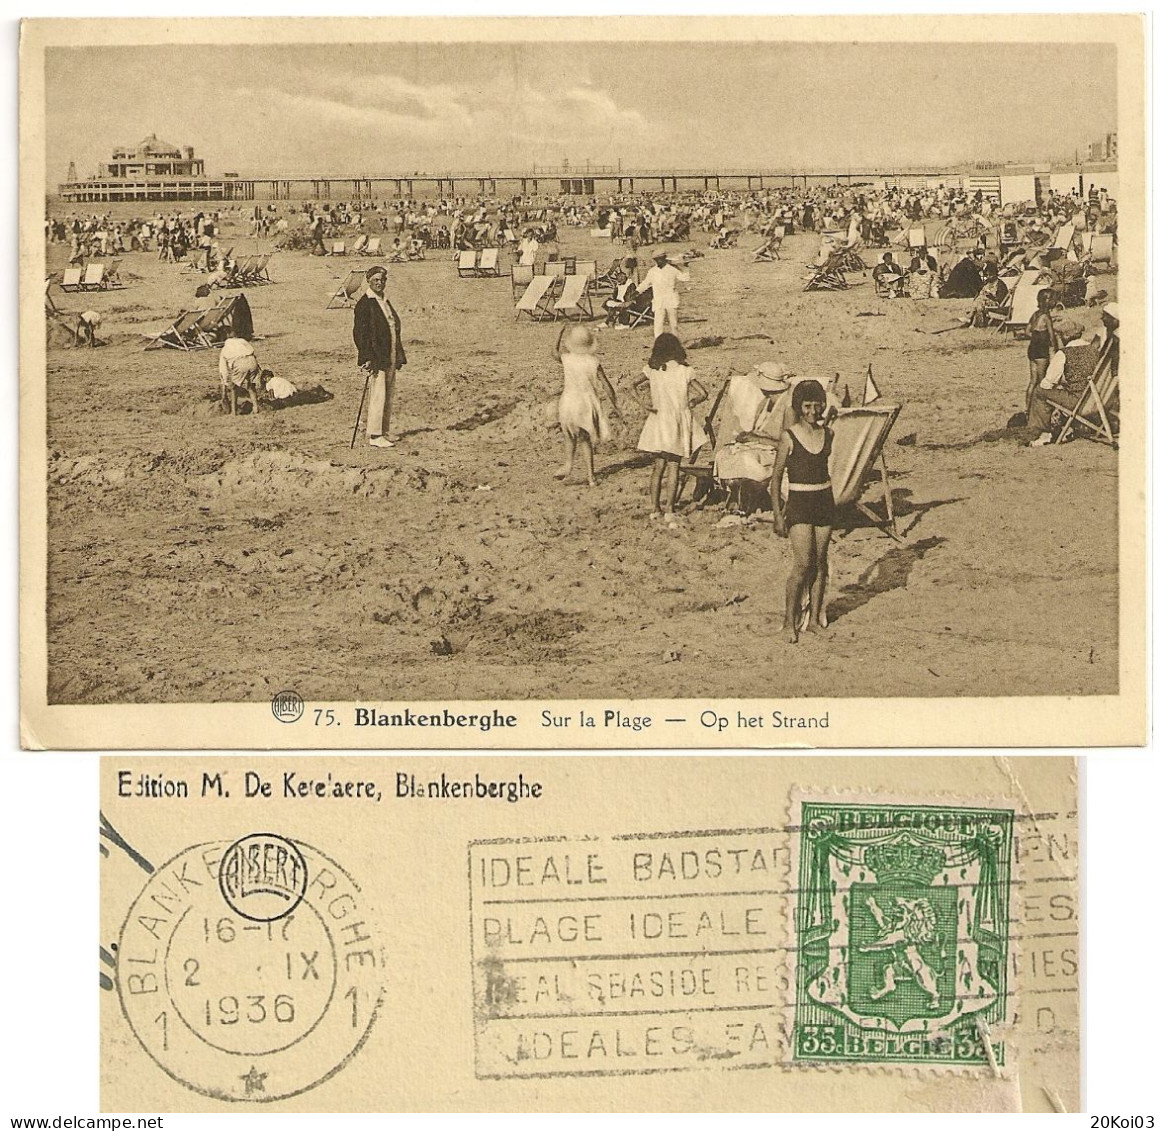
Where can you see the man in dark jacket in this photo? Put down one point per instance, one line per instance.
(376, 332)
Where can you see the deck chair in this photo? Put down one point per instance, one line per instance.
(701, 465)
(1098, 246)
(338, 248)
(467, 263)
(640, 310)
(575, 298)
(600, 233)
(608, 274)
(112, 279)
(71, 280)
(555, 269)
(520, 278)
(769, 251)
(535, 300)
(1064, 236)
(359, 244)
(181, 334)
(588, 268)
(347, 292)
(487, 264)
(509, 236)
(261, 273)
(94, 279)
(213, 328)
(916, 237)
(1000, 315)
(1023, 301)
(859, 435)
(829, 276)
(1094, 414)
(372, 247)
(244, 269)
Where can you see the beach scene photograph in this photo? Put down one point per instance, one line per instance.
(579, 368)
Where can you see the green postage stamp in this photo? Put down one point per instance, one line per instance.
(901, 933)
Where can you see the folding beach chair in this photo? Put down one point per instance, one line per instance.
(608, 275)
(338, 248)
(112, 280)
(347, 292)
(94, 279)
(1000, 315)
(556, 270)
(535, 301)
(859, 435)
(244, 271)
(214, 327)
(916, 237)
(769, 251)
(575, 299)
(829, 276)
(359, 244)
(1064, 236)
(181, 334)
(520, 278)
(261, 274)
(1094, 414)
(71, 280)
(1098, 246)
(467, 263)
(588, 268)
(701, 465)
(601, 233)
(1023, 301)
(487, 264)
(372, 247)
(640, 311)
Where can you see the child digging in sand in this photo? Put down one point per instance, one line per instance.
(667, 432)
(580, 412)
(808, 516)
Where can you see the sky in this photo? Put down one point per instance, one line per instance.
(387, 109)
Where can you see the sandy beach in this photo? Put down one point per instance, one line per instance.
(200, 557)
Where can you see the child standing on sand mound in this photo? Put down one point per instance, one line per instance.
(580, 412)
(667, 432)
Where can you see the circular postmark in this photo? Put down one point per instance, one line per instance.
(287, 706)
(263, 877)
(250, 971)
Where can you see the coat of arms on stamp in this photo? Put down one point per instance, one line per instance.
(902, 933)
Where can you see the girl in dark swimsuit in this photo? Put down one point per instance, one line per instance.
(808, 517)
(1041, 345)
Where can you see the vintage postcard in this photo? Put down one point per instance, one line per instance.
(588, 934)
(583, 383)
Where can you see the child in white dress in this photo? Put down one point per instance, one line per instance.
(667, 432)
(580, 412)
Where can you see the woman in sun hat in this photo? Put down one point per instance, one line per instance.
(580, 412)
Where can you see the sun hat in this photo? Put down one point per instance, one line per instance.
(659, 253)
(772, 376)
(1112, 310)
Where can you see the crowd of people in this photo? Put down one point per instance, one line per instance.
(988, 246)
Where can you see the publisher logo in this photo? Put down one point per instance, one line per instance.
(287, 706)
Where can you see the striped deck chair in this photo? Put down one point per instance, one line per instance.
(71, 280)
(467, 263)
(487, 266)
(1094, 413)
(575, 299)
(535, 300)
(347, 292)
(859, 435)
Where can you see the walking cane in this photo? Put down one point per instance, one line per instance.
(360, 410)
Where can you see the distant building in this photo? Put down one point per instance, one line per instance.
(1104, 149)
(152, 158)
